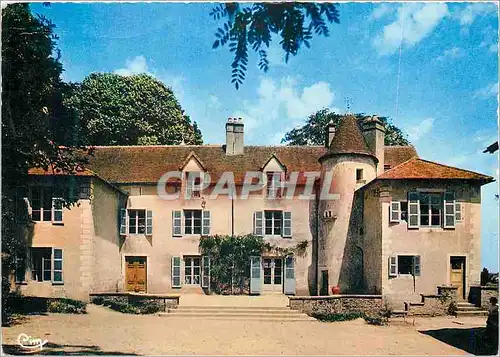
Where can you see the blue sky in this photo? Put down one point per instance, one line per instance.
(448, 93)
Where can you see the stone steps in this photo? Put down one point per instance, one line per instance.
(236, 313)
(468, 309)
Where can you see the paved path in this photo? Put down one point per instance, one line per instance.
(103, 331)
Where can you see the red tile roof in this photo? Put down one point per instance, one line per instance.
(416, 168)
(395, 155)
(348, 139)
(146, 164)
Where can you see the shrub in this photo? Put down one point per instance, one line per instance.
(67, 306)
(149, 307)
(335, 317)
(121, 307)
(375, 320)
(98, 300)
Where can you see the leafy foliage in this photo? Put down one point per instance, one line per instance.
(230, 259)
(253, 25)
(67, 306)
(313, 131)
(129, 110)
(335, 317)
(31, 100)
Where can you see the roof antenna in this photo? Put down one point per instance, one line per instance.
(348, 104)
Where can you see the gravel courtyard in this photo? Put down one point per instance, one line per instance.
(103, 331)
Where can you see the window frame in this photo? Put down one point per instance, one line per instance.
(192, 218)
(415, 265)
(39, 208)
(192, 268)
(274, 225)
(129, 221)
(430, 205)
(274, 184)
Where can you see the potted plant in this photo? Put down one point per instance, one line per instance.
(335, 290)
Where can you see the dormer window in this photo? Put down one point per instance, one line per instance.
(193, 182)
(274, 184)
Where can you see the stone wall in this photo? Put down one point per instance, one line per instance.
(336, 304)
(431, 305)
(480, 295)
(164, 301)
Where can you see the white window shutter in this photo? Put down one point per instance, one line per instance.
(57, 265)
(449, 210)
(458, 212)
(393, 266)
(177, 223)
(395, 212)
(123, 221)
(149, 222)
(416, 265)
(413, 210)
(258, 223)
(176, 272)
(205, 281)
(205, 231)
(287, 224)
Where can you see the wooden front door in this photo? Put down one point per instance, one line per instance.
(136, 274)
(457, 275)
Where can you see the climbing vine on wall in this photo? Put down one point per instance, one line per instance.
(230, 259)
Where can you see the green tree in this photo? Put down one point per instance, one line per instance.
(130, 110)
(31, 97)
(313, 131)
(253, 25)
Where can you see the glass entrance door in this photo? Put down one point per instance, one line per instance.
(273, 274)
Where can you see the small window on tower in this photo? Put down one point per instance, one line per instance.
(359, 175)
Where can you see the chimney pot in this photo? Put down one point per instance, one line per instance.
(234, 136)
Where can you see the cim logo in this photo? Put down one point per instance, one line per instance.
(29, 342)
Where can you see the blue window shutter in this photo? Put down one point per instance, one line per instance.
(206, 223)
(255, 275)
(123, 221)
(289, 287)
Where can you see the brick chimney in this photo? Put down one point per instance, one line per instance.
(329, 134)
(374, 134)
(234, 136)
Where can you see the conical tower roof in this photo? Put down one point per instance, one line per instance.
(348, 140)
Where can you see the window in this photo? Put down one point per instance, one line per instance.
(41, 204)
(273, 222)
(387, 167)
(192, 222)
(20, 269)
(274, 184)
(359, 175)
(192, 270)
(193, 182)
(136, 221)
(47, 265)
(408, 264)
(430, 209)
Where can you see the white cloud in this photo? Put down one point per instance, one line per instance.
(139, 64)
(418, 131)
(136, 65)
(470, 12)
(415, 21)
(488, 91)
(382, 10)
(451, 53)
(284, 99)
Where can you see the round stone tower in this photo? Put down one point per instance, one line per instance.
(346, 166)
